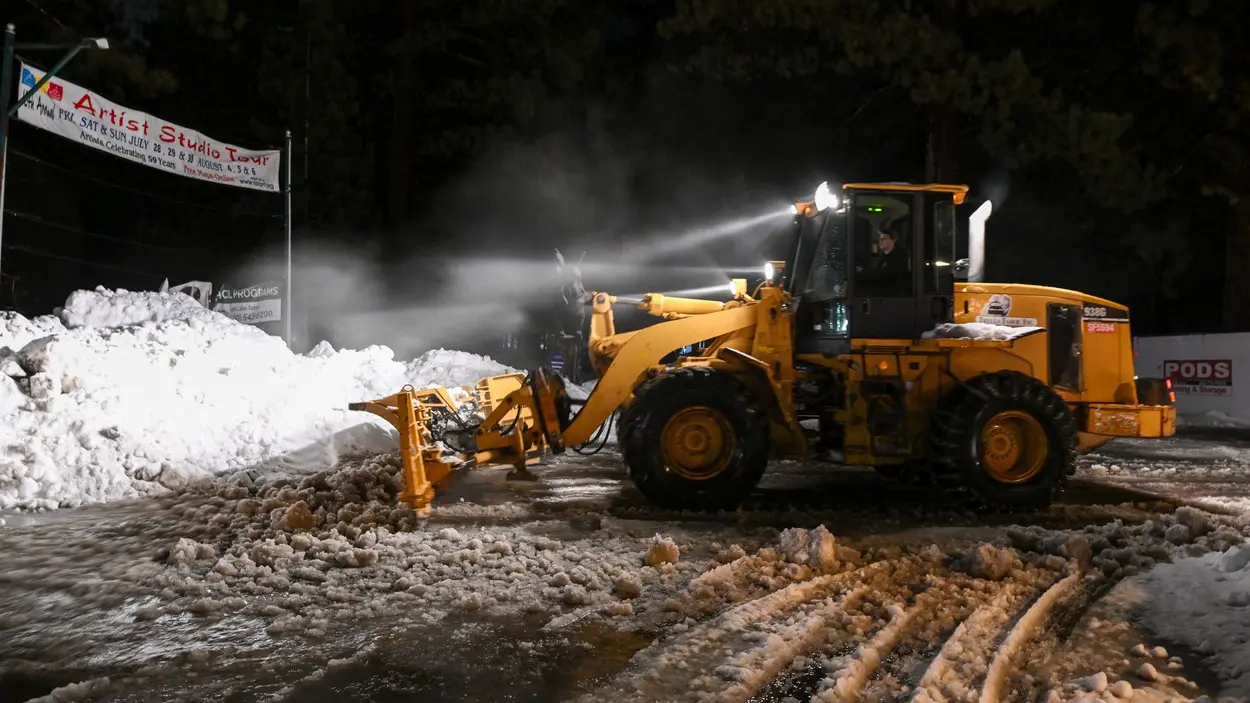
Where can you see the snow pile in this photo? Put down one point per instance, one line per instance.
(1201, 602)
(124, 394)
(121, 308)
(1212, 419)
(978, 330)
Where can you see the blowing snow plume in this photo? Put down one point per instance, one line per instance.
(655, 246)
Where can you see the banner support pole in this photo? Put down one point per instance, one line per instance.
(6, 79)
(287, 157)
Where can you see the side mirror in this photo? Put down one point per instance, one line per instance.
(961, 268)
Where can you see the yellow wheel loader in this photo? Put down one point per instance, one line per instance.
(987, 391)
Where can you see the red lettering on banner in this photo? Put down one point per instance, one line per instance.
(235, 156)
(85, 100)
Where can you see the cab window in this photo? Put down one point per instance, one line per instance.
(939, 253)
(882, 231)
(827, 280)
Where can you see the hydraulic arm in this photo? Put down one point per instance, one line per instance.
(512, 419)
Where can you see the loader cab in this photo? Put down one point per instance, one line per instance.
(875, 263)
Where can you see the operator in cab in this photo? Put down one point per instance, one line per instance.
(889, 274)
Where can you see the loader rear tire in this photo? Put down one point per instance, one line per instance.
(1003, 441)
(695, 439)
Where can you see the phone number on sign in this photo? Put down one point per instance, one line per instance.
(252, 318)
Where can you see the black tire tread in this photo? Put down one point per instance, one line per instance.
(952, 469)
(637, 450)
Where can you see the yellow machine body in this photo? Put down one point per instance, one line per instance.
(1015, 403)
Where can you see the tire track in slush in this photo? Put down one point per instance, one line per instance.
(969, 645)
(691, 656)
(848, 682)
(756, 668)
(1025, 628)
(734, 656)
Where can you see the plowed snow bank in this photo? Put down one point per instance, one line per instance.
(1201, 602)
(122, 394)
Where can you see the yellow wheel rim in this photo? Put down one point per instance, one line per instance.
(1013, 447)
(697, 443)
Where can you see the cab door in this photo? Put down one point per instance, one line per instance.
(1064, 350)
(886, 305)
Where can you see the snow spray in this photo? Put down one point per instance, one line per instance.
(656, 246)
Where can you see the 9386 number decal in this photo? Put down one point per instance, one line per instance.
(1104, 313)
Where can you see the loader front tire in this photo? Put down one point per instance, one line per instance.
(1003, 441)
(695, 439)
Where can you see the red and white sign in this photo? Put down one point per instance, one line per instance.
(92, 120)
(1200, 376)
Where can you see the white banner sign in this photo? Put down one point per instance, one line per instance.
(90, 119)
(252, 305)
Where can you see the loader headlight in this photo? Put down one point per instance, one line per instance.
(825, 198)
(769, 271)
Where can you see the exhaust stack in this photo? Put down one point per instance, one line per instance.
(976, 242)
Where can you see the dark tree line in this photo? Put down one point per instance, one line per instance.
(1112, 134)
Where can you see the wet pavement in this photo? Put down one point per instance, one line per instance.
(73, 582)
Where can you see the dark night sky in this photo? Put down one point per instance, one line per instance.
(447, 130)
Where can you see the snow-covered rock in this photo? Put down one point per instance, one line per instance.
(124, 394)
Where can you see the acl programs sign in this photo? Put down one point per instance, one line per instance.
(1200, 376)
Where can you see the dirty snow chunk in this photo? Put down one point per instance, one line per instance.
(1148, 672)
(80, 690)
(136, 394)
(662, 551)
(1094, 682)
(977, 330)
(183, 552)
(816, 548)
(1197, 521)
(1122, 690)
(628, 586)
(356, 558)
(1235, 559)
(1176, 534)
(297, 517)
(989, 562)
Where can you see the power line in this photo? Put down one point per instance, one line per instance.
(47, 14)
(145, 193)
(119, 240)
(36, 252)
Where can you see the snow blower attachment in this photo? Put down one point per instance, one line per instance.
(859, 349)
(499, 420)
